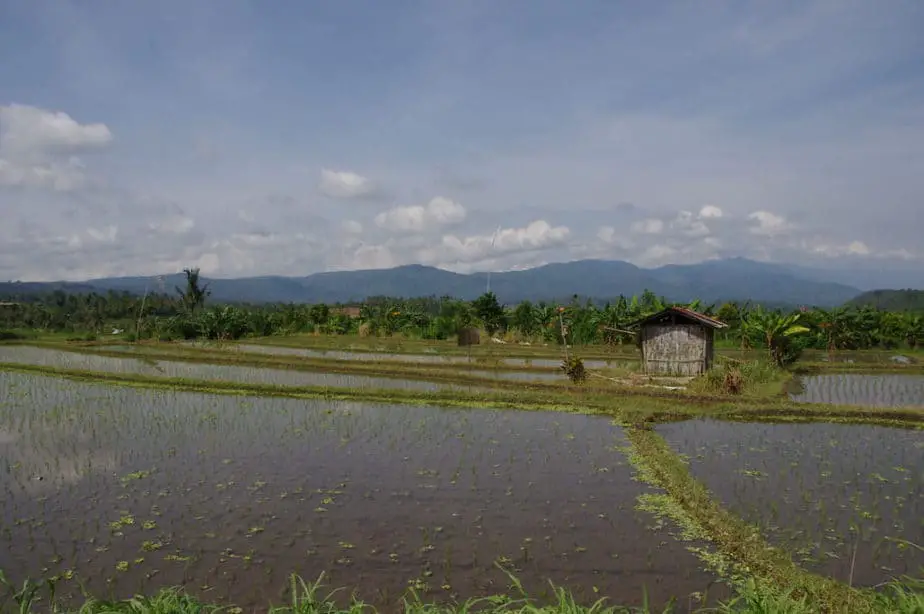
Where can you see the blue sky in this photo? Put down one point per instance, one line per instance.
(293, 137)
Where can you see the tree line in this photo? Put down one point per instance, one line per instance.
(187, 314)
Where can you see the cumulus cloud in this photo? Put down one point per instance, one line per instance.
(28, 130)
(537, 235)
(439, 212)
(650, 226)
(39, 147)
(345, 185)
(768, 224)
(686, 224)
(710, 211)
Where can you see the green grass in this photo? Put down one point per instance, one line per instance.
(756, 379)
(313, 598)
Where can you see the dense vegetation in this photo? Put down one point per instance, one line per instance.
(186, 315)
(891, 300)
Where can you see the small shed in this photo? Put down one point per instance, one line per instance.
(677, 341)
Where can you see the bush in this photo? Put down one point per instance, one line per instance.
(8, 335)
(735, 377)
(574, 369)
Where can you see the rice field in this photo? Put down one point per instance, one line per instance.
(132, 489)
(874, 390)
(416, 358)
(846, 500)
(22, 354)
(129, 489)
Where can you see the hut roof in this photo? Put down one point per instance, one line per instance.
(680, 313)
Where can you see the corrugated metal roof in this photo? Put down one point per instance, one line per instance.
(686, 313)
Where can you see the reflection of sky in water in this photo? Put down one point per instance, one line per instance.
(42, 461)
(164, 368)
(876, 390)
(810, 486)
(312, 485)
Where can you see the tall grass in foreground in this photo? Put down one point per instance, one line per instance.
(905, 597)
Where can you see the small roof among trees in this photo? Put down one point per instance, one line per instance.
(676, 315)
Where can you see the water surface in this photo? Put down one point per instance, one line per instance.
(136, 489)
(820, 490)
(879, 390)
(24, 354)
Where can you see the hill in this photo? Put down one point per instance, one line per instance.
(713, 281)
(891, 300)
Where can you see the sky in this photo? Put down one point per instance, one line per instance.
(291, 137)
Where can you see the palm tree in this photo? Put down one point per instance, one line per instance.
(194, 296)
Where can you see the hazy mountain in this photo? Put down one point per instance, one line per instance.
(712, 281)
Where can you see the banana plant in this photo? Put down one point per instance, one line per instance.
(777, 331)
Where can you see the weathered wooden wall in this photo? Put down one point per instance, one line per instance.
(676, 349)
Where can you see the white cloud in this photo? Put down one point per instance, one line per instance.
(345, 184)
(373, 257)
(710, 212)
(689, 226)
(352, 227)
(535, 236)
(439, 212)
(177, 224)
(829, 250)
(38, 148)
(651, 226)
(768, 224)
(27, 130)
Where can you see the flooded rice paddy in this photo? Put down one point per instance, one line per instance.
(881, 390)
(226, 373)
(418, 358)
(826, 492)
(134, 489)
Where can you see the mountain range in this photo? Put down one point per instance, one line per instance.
(711, 281)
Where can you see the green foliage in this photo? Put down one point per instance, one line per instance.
(490, 312)
(194, 295)
(737, 377)
(778, 332)
(186, 316)
(891, 300)
(574, 369)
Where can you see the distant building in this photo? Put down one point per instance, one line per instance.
(677, 341)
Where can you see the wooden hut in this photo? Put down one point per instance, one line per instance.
(677, 341)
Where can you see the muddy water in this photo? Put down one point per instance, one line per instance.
(227, 495)
(822, 491)
(891, 390)
(227, 373)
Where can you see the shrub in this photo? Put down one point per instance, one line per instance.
(735, 377)
(574, 369)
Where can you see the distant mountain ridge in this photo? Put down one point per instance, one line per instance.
(891, 300)
(711, 281)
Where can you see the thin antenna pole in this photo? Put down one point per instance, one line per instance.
(141, 313)
(493, 240)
